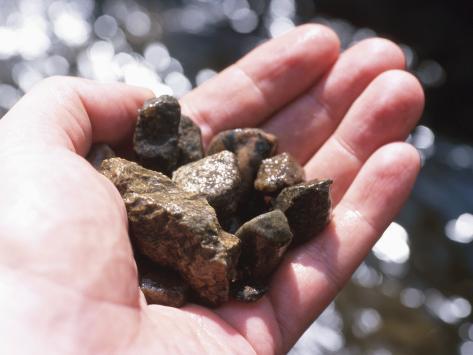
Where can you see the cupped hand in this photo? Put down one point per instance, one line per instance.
(68, 282)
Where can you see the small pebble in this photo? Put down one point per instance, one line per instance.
(165, 288)
(307, 207)
(156, 134)
(278, 172)
(216, 177)
(264, 240)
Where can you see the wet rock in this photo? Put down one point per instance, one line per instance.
(278, 172)
(216, 177)
(250, 145)
(248, 292)
(176, 229)
(156, 134)
(264, 240)
(98, 153)
(164, 287)
(190, 141)
(307, 207)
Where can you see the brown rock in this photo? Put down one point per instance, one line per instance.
(176, 229)
(307, 207)
(156, 134)
(278, 172)
(250, 145)
(98, 153)
(264, 240)
(164, 287)
(190, 141)
(216, 177)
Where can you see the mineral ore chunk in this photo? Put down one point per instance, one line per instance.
(278, 172)
(165, 288)
(216, 177)
(250, 145)
(264, 240)
(176, 229)
(98, 153)
(190, 141)
(307, 207)
(156, 134)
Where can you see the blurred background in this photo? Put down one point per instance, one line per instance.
(413, 294)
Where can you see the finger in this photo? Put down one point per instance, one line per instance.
(73, 112)
(265, 80)
(311, 275)
(386, 111)
(315, 115)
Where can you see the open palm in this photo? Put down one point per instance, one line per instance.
(68, 282)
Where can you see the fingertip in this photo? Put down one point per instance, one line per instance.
(378, 47)
(317, 34)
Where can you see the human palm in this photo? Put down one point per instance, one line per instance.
(68, 282)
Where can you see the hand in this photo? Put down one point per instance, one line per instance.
(68, 282)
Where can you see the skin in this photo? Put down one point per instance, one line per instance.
(67, 276)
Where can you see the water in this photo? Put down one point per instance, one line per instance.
(413, 293)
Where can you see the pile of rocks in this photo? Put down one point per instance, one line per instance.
(207, 228)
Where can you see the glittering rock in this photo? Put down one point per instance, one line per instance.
(190, 142)
(98, 153)
(176, 229)
(264, 240)
(307, 207)
(164, 287)
(250, 145)
(156, 134)
(216, 177)
(278, 172)
(245, 292)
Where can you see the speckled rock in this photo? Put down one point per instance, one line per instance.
(98, 153)
(307, 207)
(164, 287)
(176, 229)
(216, 177)
(278, 172)
(250, 145)
(245, 292)
(264, 240)
(189, 142)
(156, 134)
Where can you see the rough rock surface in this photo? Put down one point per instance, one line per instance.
(278, 172)
(250, 145)
(189, 141)
(165, 288)
(264, 240)
(98, 153)
(176, 229)
(156, 134)
(216, 177)
(307, 207)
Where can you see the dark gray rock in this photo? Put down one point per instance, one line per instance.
(176, 229)
(98, 153)
(251, 146)
(216, 177)
(156, 134)
(278, 172)
(164, 287)
(190, 142)
(307, 207)
(264, 240)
